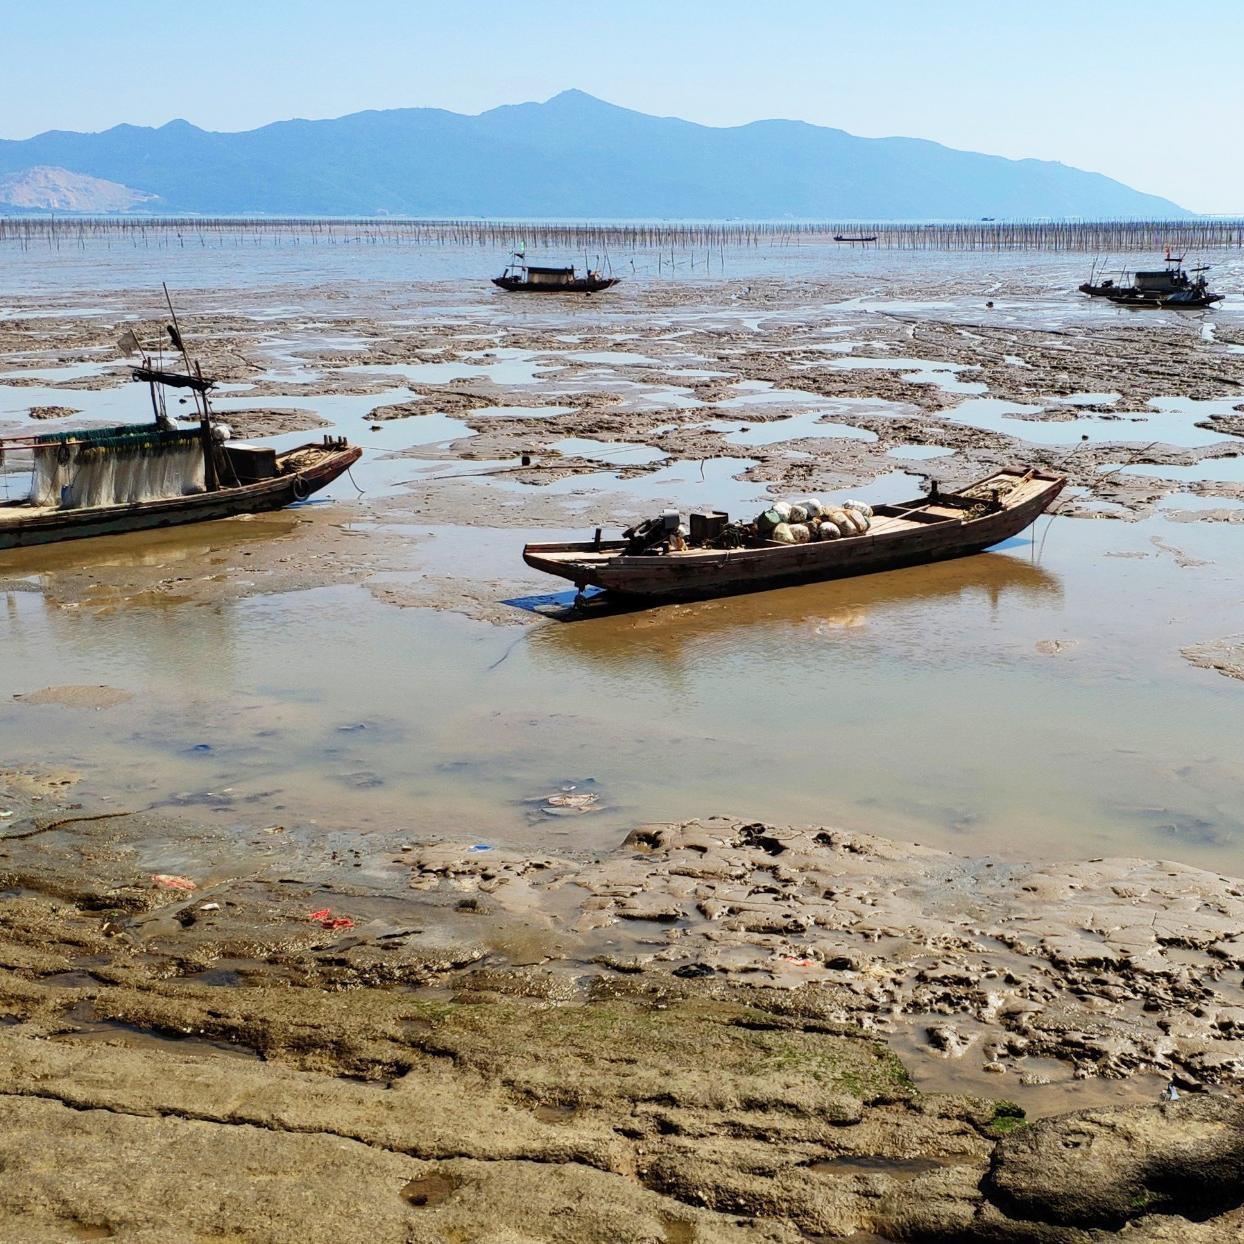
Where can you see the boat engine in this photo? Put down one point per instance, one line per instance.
(647, 536)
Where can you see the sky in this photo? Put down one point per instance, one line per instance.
(1150, 93)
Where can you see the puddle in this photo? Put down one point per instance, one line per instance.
(522, 412)
(70, 371)
(1087, 399)
(621, 452)
(795, 427)
(503, 372)
(1197, 501)
(944, 376)
(609, 357)
(1209, 470)
(763, 393)
(1168, 425)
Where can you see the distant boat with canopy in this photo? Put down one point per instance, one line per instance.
(521, 277)
(129, 477)
(1171, 287)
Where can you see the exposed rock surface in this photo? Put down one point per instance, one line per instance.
(1105, 1168)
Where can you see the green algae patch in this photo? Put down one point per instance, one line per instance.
(693, 1053)
(1007, 1117)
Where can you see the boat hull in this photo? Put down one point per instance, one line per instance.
(1170, 302)
(732, 571)
(52, 526)
(580, 285)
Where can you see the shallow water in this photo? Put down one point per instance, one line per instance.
(915, 702)
(793, 428)
(1211, 471)
(1171, 424)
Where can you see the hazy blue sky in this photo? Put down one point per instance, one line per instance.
(1151, 93)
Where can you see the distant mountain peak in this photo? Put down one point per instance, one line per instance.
(572, 95)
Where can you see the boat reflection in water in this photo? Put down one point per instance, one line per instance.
(938, 606)
(156, 548)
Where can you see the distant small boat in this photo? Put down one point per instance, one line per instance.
(735, 558)
(522, 277)
(847, 237)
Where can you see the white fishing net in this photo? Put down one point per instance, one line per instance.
(75, 475)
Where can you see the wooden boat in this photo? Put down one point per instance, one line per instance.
(522, 277)
(1099, 289)
(298, 473)
(845, 237)
(129, 477)
(932, 528)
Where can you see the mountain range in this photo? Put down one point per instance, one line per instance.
(571, 156)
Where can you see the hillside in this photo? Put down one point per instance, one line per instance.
(571, 156)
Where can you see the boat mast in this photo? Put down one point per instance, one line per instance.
(210, 480)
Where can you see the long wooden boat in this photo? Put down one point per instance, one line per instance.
(132, 477)
(297, 474)
(932, 528)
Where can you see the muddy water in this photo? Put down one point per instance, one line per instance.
(1031, 702)
(925, 701)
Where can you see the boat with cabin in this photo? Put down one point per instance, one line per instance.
(521, 277)
(129, 477)
(1172, 286)
(659, 559)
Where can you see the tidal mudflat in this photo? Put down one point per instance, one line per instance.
(559, 846)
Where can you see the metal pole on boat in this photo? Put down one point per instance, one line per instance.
(210, 480)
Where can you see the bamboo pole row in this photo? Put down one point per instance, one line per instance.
(153, 232)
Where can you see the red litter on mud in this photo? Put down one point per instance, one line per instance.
(167, 881)
(326, 920)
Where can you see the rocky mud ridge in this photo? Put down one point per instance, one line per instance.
(682, 1041)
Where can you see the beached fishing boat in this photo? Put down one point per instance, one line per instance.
(1172, 286)
(521, 277)
(130, 477)
(717, 557)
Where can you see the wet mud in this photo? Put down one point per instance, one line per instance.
(691, 1029)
